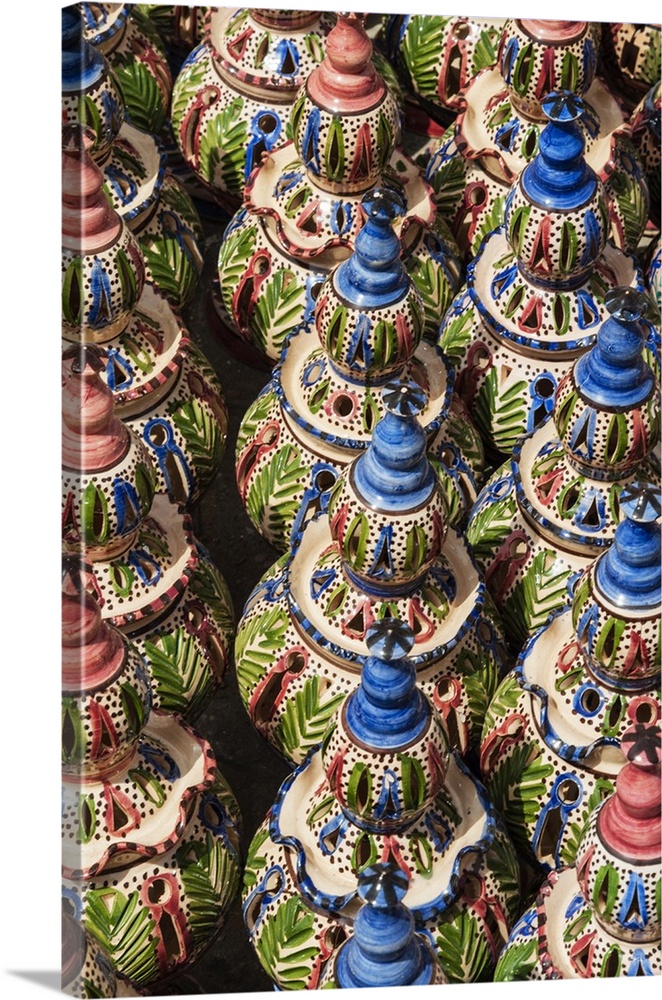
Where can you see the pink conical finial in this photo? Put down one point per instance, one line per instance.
(346, 80)
(630, 821)
(92, 651)
(553, 31)
(92, 436)
(89, 222)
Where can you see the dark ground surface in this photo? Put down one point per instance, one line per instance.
(253, 770)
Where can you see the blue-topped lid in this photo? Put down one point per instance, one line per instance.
(629, 574)
(613, 373)
(387, 710)
(82, 64)
(558, 176)
(394, 472)
(374, 275)
(384, 950)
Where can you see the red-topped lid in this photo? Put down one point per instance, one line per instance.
(346, 80)
(630, 822)
(89, 222)
(92, 650)
(553, 31)
(92, 436)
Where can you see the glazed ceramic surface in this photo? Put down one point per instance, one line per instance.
(149, 199)
(382, 549)
(535, 291)
(150, 574)
(439, 55)
(631, 54)
(302, 206)
(137, 56)
(382, 786)
(233, 96)
(87, 972)
(550, 746)
(600, 918)
(550, 510)
(498, 133)
(325, 397)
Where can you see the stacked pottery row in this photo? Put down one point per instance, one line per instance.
(376, 653)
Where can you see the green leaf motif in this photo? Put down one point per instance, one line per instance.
(125, 930)
(182, 677)
(223, 148)
(516, 961)
(258, 639)
(255, 861)
(145, 105)
(207, 583)
(490, 526)
(276, 488)
(210, 877)
(505, 701)
(305, 718)
(419, 53)
(170, 268)
(234, 253)
(463, 948)
(575, 828)
(541, 590)
(72, 293)
(517, 787)
(457, 333)
(435, 290)
(279, 309)
(282, 946)
(204, 439)
(500, 413)
(186, 86)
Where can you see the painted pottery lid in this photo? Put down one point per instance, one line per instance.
(87, 77)
(616, 606)
(266, 50)
(595, 668)
(621, 844)
(89, 222)
(108, 475)
(106, 694)
(540, 280)
(556, 213)
(387, 511)
(369, 319)
(345, 122)
(537, 57)
(384, 949)
(606, 410)
(387, 717)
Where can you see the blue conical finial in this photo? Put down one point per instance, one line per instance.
(374, 275)
(82, 64)
(384, 950)
(394, 472)
(614, 372)
(387, 710)
(558, 177)
(629, 573)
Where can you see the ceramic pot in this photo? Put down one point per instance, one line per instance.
(535, 292)
(439, 56)
(181, 29)
(548, 512)
(324, 398)
(384, 948)
(149, 198)
(150, 836)
(653, 277)
(498, 132)
(301, 210)
(103, 272)
(151, 576)
(383, 548)
(550, 746)
(645, 124)
(631, 57)
(233, 96)
(382, 785)
(136, 53)
(599, 918)
(163, 386)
